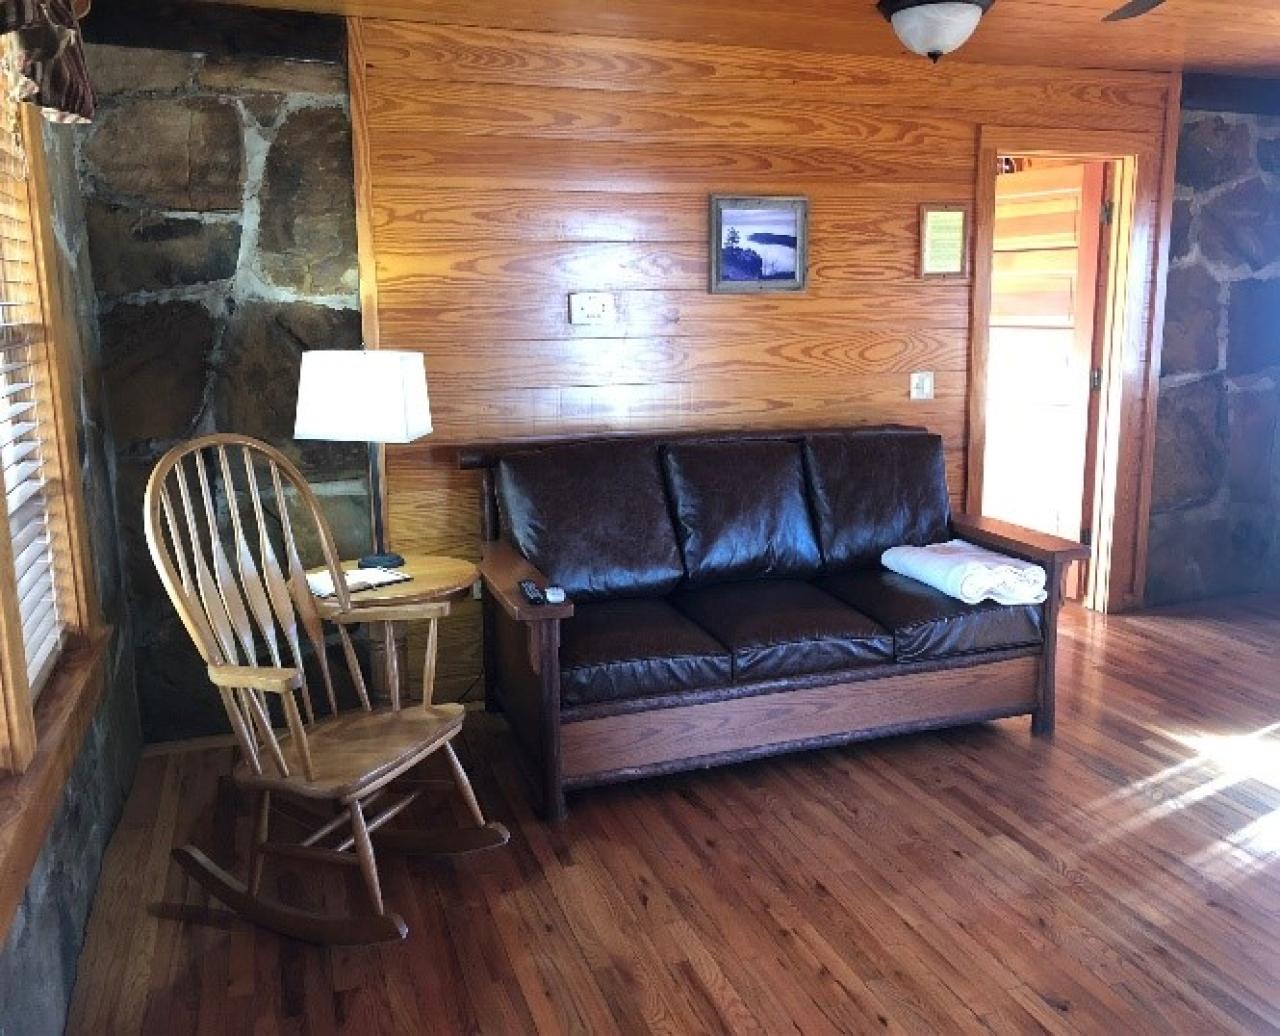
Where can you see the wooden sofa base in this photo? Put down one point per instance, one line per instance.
(619, 747)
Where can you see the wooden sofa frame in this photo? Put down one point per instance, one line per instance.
(582, 746)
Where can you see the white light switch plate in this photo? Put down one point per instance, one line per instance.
(922, 385)
(592, 307)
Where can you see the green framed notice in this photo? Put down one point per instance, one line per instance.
(944, 240)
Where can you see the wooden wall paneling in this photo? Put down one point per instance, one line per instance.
(434, 508)
(509, 164)
(452, 314)
(421, 267)
(479, 110)
(407, 218)
(667, 64)
(451, 160)
(440, 512)
(722, 403)
(1018, 35)
(527, 363)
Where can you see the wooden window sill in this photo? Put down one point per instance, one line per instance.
(29, 801)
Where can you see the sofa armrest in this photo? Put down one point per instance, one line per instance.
(502, 568)
(1016, 541)
(1056, 555)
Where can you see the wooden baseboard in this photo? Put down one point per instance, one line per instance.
(614, 747)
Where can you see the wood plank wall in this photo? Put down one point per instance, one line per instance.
(508, 167)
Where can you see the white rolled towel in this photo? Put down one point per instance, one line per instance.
(970, 573)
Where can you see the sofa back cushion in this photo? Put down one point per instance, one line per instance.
(876, 489)
(592, 516)
(740, 509)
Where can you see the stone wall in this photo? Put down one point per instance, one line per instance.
(222, 233)
(1215, 527)
(39, 955)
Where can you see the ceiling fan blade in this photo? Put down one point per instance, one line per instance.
(1132, 9)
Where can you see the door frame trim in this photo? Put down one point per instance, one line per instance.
(1131, 361)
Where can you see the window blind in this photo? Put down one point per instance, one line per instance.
(23, 392)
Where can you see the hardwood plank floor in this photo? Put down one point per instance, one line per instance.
(1121, 878)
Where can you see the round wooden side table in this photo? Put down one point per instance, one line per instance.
(434, 583)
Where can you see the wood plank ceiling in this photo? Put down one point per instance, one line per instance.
(1241, 36)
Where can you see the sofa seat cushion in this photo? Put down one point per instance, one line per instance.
(593, 517)
(740, 509)
(927, 624)
(784, 627)
(874, 489)
(634, 648)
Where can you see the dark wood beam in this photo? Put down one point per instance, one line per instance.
(218, 30)
(1218, 93)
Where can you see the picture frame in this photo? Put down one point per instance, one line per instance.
(758, 244)
(945, 230)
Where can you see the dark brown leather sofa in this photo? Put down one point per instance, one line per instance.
(726, 601)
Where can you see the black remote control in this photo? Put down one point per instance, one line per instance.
(531, 592)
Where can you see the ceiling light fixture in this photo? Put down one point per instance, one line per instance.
(932, 28)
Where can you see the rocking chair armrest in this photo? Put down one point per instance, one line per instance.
(502, 568)
(271, 679)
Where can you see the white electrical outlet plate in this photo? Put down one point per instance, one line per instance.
(592, 307)
(922, 385)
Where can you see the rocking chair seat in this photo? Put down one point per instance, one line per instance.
(354, 751)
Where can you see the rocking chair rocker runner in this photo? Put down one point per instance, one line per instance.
(247, 614)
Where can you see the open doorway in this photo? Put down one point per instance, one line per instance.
(1120, 381)
(1044, 364)
(1054, 253)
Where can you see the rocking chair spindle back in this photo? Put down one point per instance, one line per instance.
(224, 518)
(219, 517)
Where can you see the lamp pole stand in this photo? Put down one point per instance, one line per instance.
(381, 557)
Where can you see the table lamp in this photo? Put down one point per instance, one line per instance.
(375, 396)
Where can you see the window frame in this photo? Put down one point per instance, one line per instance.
(57, 358)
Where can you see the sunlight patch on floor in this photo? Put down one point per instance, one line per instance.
(1247, 757)
(1220, 762)
(1240, 758)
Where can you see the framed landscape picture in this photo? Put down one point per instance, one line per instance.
(758, 244)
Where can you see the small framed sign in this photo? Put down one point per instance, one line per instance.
(758, 243)
(944, 240)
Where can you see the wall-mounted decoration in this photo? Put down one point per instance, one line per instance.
(758, 244)
(944, 240)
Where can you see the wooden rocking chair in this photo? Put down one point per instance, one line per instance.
(247, 613)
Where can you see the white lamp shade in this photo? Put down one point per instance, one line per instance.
(931, 30)
(378, 395)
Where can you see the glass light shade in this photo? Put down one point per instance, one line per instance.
(932, 30)
(358, 396)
